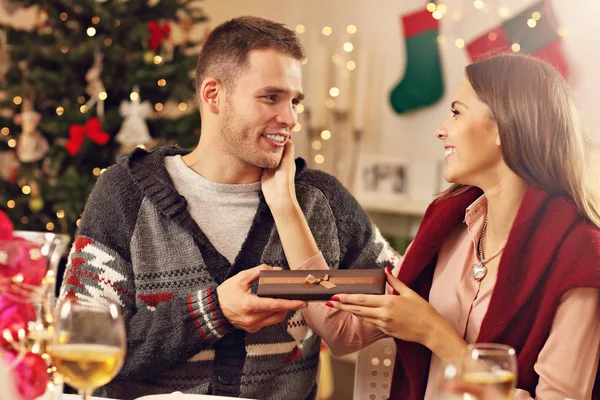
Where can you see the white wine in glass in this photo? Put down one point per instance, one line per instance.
(88, 344)
(500, 382)
(492, 365)
(488, 371)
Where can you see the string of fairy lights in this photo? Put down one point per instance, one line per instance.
(91, 32)
(333, 92)
(439, 11)
(43, 29)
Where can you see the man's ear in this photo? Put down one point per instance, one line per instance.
(211, 94)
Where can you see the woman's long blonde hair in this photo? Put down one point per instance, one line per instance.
(542, 135)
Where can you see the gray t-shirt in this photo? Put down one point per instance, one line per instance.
(224, 212)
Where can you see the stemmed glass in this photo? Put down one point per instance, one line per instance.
(88, 344)
(40, 335)
(488, 371)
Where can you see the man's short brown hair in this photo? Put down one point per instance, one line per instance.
(225, 52)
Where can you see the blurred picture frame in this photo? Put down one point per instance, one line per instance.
(380, 177)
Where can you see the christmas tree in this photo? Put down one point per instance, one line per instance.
(91, 79)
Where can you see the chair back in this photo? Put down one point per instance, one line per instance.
(374, 370)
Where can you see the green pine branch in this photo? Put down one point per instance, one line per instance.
(49, 66)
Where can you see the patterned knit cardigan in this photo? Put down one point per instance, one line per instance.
(138, 246)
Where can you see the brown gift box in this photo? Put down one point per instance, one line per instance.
(320, 284)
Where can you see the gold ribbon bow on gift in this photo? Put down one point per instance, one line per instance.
(312, 280)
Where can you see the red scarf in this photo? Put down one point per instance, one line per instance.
(550, 250)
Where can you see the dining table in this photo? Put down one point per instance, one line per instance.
(171, 396)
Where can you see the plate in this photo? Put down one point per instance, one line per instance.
(183, 396)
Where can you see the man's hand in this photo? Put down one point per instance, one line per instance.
(249, 312)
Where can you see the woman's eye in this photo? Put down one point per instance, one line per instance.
(455, 112)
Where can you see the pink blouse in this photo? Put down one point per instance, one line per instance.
(566, 364)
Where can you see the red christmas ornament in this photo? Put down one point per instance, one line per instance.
(92, 129)
(13, 317)
(31, 375)
(22, 262)
(22, 268)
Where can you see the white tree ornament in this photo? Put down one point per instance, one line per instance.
(134, 130)
(31, 145)
(95, 86)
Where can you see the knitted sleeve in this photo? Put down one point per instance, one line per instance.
(361, 243)
(99, 269)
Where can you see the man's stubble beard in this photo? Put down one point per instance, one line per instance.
(237, 139)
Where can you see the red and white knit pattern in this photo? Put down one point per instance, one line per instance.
(98, 258)
(298, 330)
(387, 255)
(209, 323)
(152, 300)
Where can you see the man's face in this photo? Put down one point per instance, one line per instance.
(260, 111)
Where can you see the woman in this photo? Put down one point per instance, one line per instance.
(509, 254)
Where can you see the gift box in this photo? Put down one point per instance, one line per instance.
(320, 284)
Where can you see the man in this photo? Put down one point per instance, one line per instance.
(174, 236)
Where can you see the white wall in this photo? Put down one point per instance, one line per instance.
(379, 41)
(410, 136)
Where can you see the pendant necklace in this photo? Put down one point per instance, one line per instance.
(479, 270)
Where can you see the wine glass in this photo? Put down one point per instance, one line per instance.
(487, 372)
(88, 344)
(40, 335)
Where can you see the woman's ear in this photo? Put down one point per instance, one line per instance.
(495, 131)
(210, 94)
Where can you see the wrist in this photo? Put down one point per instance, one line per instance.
(209, 315)
(443, 340)
(284, 206)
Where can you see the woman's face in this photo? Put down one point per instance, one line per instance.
(471, 140)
